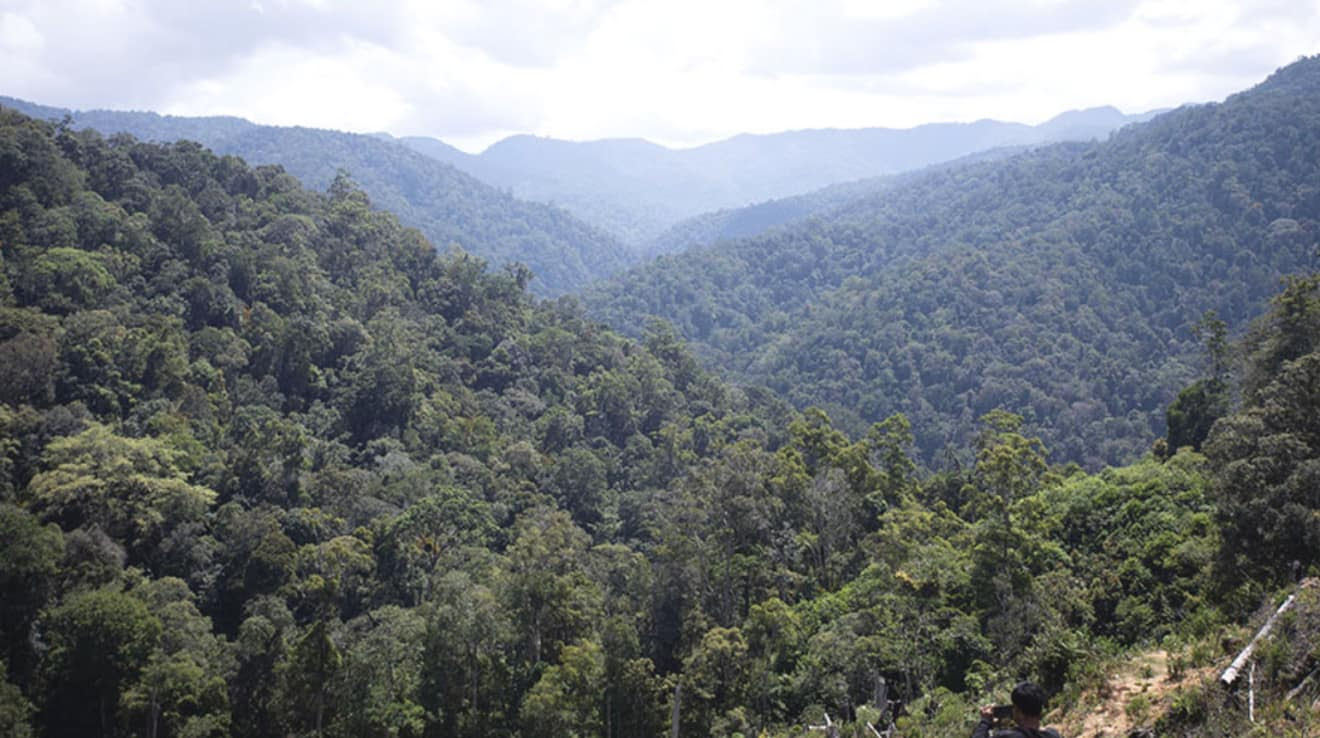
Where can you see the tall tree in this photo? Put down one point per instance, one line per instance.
(99, 643)
(131, 488)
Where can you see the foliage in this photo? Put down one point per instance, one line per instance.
(1060, 284)
(453, 208)
(1265, 455)
(295, 473)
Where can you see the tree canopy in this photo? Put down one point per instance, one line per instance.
(1062, 284)
(270, 465)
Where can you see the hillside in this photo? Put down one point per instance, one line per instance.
(270, 465)
(254, 415)
(756, 219)
(1060, 284)
(1160, 692)
(447, 205)
(635, 189)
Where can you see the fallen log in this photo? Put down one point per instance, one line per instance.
(1230, 674)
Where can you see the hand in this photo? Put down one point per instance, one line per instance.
(988, 712)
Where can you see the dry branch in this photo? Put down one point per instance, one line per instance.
(1292, 693)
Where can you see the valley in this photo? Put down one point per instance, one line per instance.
(314, 433)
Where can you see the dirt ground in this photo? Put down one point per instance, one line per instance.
(1144, 679)
(1146, 675)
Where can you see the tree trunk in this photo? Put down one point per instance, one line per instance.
(153, 713)
(673, 717)
(320, 707)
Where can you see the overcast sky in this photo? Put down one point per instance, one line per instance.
(678, 72)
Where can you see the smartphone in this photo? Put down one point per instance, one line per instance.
(1003, 712)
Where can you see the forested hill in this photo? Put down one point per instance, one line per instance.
(636, 189)
(449, 206)
(239, 418)
(1061, 284)
(753, 220)
(270, 465)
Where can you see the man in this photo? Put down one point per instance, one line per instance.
(1028, 704)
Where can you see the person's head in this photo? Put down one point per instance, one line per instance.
(1029, 699)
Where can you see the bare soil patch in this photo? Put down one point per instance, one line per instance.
(1135, 695)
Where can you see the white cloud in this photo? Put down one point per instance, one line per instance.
(527, 33)
(677, 71)
(18, 34)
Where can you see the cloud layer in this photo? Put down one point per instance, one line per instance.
(676, 71)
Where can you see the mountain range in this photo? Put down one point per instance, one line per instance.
(1024, 275)
(272, 465)
(635, 189)
(1061, 283)
(632, 189)
(449, 206)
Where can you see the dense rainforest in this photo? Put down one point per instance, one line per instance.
(272, 465)
(1062, 283)
(449, 206)
(512, 201)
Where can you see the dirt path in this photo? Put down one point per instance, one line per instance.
(1137, 693)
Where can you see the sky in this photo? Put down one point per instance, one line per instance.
(677, 72)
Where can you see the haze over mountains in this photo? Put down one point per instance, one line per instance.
(635, 188)
(751, 220)
(630, 188)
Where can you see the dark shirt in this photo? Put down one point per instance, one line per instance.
(983, 731)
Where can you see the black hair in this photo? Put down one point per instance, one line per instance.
(1029, 698)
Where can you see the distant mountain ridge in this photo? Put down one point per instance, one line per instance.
(636, 189)
(448, 205)
(756, 219)
(632, 191)
(1060, 284)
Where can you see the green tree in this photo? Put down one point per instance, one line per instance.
(433, 535)
(1194, 411)
(379, 691)
(336, 576)
(131, 488)
(891, 442)
(469, 639)
(1289, 331)
(1009, 467)
(549, 596)
(308, 679)
(568, 699)
(259, 648)
(99, 642)
(15, 710)
(1206, 400)
(29, 556)
(64, 280)
(1264, 477)
(715, 675)
(182, 688)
